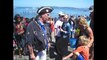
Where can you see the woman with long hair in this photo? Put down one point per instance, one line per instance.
(85, 29)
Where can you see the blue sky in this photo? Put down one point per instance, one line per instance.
(60, 3)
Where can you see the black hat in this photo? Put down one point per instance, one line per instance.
(43, 10)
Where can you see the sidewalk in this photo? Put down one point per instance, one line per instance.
(16, 57)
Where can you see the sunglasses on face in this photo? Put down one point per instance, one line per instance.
(62, 16)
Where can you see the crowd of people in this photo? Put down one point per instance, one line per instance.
(36, 37)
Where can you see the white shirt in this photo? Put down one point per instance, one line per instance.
(57, 24)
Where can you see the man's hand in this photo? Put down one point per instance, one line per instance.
(49, 45)
(32, 56)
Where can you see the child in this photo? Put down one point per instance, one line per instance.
(82, 52)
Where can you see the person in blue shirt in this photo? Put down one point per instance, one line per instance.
(62, 43)
(36, 38)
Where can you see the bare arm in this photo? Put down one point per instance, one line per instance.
(63, 30)
(64, 58)
(70, 55)
(91, 36)
(55, 32)
(29, 38)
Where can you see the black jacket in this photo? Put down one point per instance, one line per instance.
(34, 36)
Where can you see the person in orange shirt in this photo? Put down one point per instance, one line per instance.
(82, 51)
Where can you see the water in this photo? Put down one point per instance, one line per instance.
(31, 11)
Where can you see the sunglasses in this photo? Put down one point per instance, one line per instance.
(62, 16)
